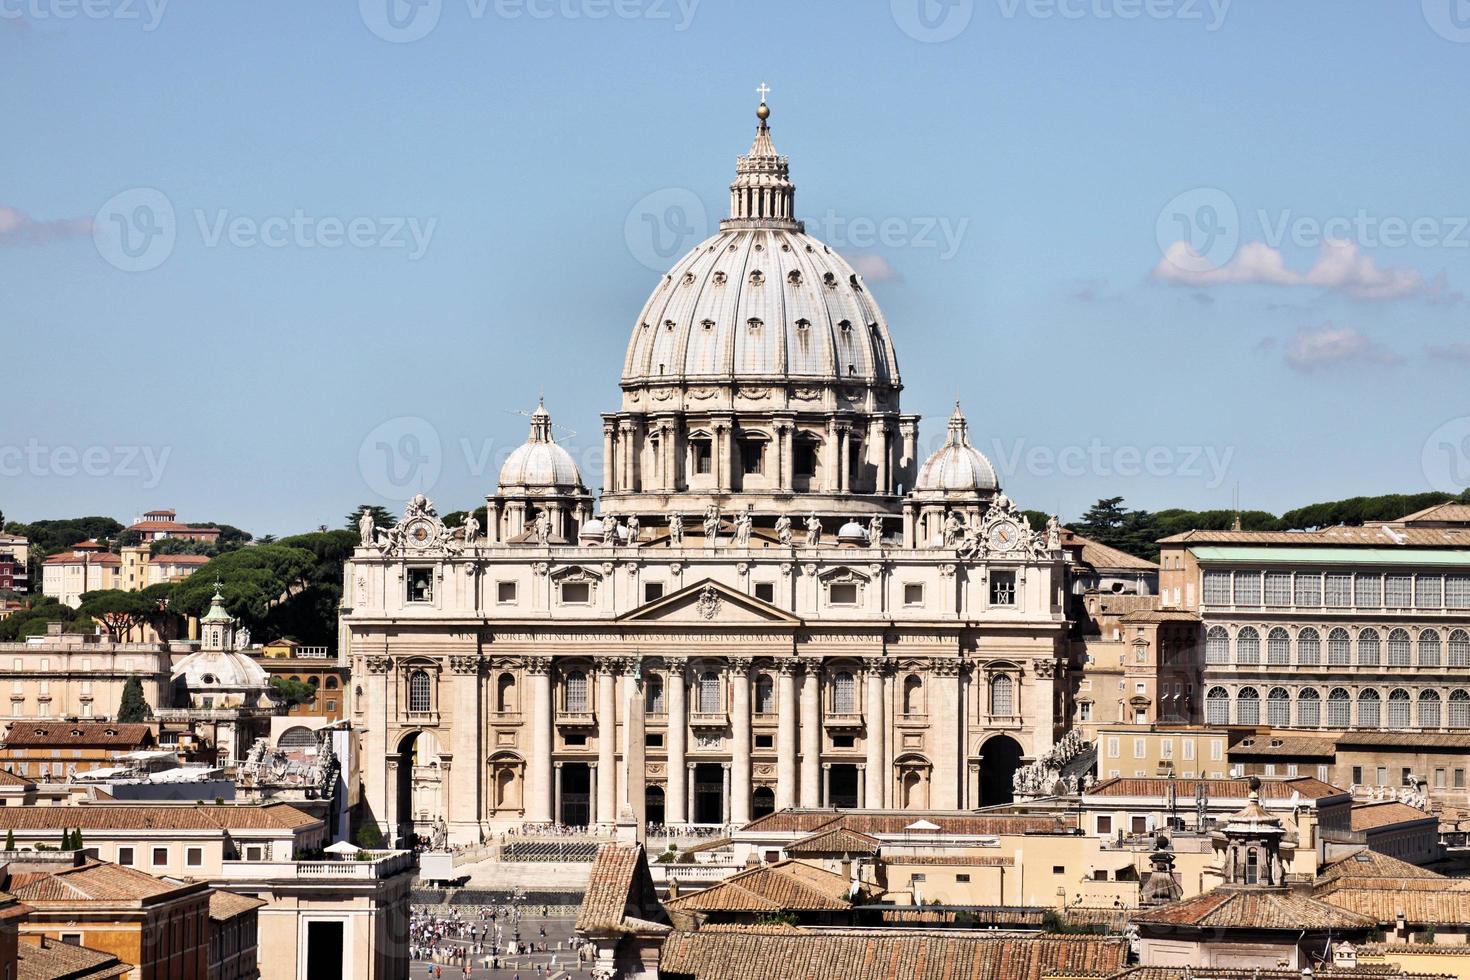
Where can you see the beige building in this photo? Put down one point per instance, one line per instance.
(1185, 751)
(781, 604)
(82, 568)
(79, 675)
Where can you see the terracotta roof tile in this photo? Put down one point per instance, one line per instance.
(1383, 905)
(1371, 816)
(765, 954)
(52, 960)
(1247, 908)
(1372, 536)
(224, 906)
(620, 896)
(839, 840)
(1307, 787)
(788, 886)
(48, 734)
(1372, 864)
(877, 823)
(156, 816)
(95, 881)
(1100, 555)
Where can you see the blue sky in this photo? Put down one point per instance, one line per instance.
(338, 242)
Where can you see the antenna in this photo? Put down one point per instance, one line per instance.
(569, 433)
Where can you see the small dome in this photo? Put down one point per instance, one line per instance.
(957, 467)
(853, 531)
(592, 530)
(540, 462)
(207, 672)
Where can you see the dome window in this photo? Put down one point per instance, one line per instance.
(720, 278)
(707, 324)
(785, 246)
(810, 249)
(754, 324)
(794, 277)
(846, 326)
(731, 248)
(668, 324)
(688, 278)
(829, 280)
(854, 283)
(803, 324)
(757, 278)
(759, 247)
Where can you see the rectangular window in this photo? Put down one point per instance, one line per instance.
(765, 741)
(505, 593)
(842, 594)
(1114, 749)
(1397, 591)
(913, 594)
(918, 879)
(1382, 775)
(1216, 750)
(703, 455)
(71, 938)
(160, 857)
(804, 459)
(1189, 750)
(1429, 591)
(962, 879)
(576, 593)
(194, 857)
(1140, 748)
(1368, 590)
(420, 585)
(765, 591)
(1002, 588)
(1459, 779)
(1339, 590)
(1217, 588)
(654, 740)
(1139, 825)
(1457, 591)
(1104, 825)
(752, 455)
(1166, 748)
(1247, 588)
(125, 856)
(1308, 588)
(1278, 588)
(652, 591)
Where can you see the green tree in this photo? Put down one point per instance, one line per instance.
(182, 546)
(117, 610)
(76, 840)
(370, 837)
(133, 708)
(292, 692)
(9, 834)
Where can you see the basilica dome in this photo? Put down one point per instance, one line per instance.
(539, 462)
(957, 467)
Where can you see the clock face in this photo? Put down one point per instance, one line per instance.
(420, 534)
(1003, 536)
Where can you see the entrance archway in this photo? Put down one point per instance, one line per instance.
(653, 804)
(419, 787)
(709, 793)
(576, 794)
(762, 801)
(999, 759)
(842, 786)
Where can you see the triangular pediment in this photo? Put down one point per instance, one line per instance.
(710, 603)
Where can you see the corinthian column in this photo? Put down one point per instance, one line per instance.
(468, 767)
(811, 734)
(945, 730)
(877, 727)
(678, 739)
(607, 747)
(740, 748)
(786, 736)
(538, 808)
(609, 459)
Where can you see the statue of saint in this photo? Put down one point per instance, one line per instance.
(952, 530)
(875, 530)
(676, 530)
(610, 531)
(783, 529)
(543, 527)
(813, 530)
(711, 526)
(632, 526)
(471, 529)
(367, 529)
(743, 526)
(1053, 533)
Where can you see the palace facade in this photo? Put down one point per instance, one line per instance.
(776, 604)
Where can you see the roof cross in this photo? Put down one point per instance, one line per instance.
(762, 91)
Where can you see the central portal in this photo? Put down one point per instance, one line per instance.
(842, 786)
(576, 794)
(709, 793)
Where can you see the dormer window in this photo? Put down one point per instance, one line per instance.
(707, 324)
(803, 324)
(794, 277)
(754, 324)
(688, 278)
(720, 278)
(757, 278)
(845, 326)
(668, 324)
(854, 283)
(829, 280)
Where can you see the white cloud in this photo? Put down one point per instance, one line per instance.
(19, 228)
(1328, 346)
(1340, 266)
(875, 268)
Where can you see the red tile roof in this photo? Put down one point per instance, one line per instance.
(879, 823)
(73, 734)
(157, 816)
(1254, 909)
(96, 881)
(1306, 787)
(620, 896)
(1371, 816)
(49, 959)
(1384, 905)
(788, 886)
(839, 840)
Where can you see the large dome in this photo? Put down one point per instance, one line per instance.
(957, 467)
(759, 304)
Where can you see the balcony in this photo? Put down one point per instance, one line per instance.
(843, 721)
(708, 719)
(382, 864)
(575, 719)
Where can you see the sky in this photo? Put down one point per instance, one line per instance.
(263, 261)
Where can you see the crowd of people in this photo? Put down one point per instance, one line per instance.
(489, 937)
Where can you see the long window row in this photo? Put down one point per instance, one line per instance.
(1305, 708)
(1371, 647)
(1337, 590)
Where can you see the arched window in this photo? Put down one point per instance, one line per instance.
(331, 683)
(1460, 649)
(1429, 648)
(1460, 708)
(1248, 646)
(709, 693)
(1002, 695)
(765, 695)
(1398, 648)
(420, 691)
(1217, 646)
(1368, 703)
(505, 693)
(844, 694)
(1309, 708)
(1368, 648)
(1278, 708)
(1278, 646)
(1309, 647)
(576, 693)
(913, 695)
(1339, 708)
(1429, 709)
(1398, 708)
(1339, 647)
(1217, 707)
(1248, 706)
(653, 695)
(1252, 867)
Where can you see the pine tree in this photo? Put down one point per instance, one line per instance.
(66, 840)
(10, 840)
(133, 708)
(76, 839)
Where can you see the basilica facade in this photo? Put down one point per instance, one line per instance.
(774, 602)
